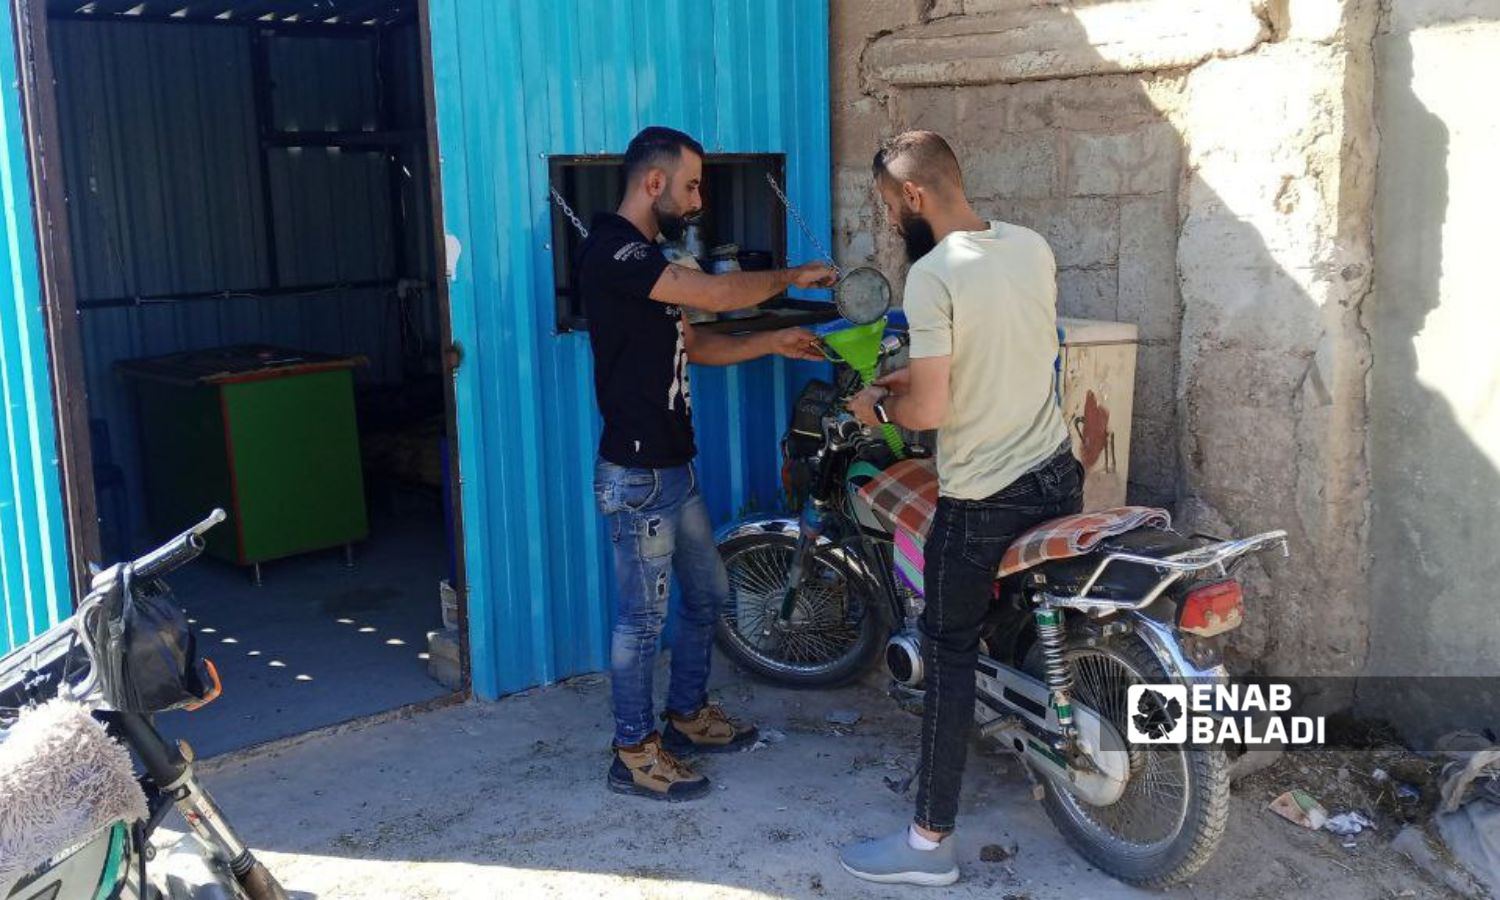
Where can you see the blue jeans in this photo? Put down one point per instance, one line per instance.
(659, 525)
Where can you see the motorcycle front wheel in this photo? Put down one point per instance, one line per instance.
(1171, 817)
(833, 635)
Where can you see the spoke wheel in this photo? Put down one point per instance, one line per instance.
(1172, 815)
(831, 635)
(1155, 803)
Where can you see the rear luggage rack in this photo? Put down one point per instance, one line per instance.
(1173, 567)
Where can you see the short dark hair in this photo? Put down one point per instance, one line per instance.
(921, 157)
(654, 146)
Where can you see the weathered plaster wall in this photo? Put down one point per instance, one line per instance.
(1205, 169)
(1434, 321)
(1275, 260)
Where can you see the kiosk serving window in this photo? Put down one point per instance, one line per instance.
(742, 219)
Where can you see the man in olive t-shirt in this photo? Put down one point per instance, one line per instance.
(987, 300)
(981, 300)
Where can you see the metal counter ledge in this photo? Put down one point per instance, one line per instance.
(778, 312)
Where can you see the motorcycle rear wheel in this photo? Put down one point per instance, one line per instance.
(1172, 816)
(834, 634)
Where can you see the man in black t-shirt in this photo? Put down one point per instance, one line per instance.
(645, 483)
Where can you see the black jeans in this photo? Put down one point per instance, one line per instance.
(962, 554)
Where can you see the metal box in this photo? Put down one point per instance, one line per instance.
(1097, 372)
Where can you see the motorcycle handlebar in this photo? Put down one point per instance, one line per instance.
(178, 551)
(169, 556)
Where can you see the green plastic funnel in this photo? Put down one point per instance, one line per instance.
(859, 346)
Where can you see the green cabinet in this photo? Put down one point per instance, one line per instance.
(267, 434)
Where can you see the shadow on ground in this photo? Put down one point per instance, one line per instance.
(508, 800)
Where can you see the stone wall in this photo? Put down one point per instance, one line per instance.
(1205, 169)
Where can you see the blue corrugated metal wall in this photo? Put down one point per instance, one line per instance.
(162, 161)
(33, 548)
(517, 81)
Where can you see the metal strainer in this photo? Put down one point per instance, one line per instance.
(863, 295)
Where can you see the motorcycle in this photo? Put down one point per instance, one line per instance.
(84, 660)
(817, 595)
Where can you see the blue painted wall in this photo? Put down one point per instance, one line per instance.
(518, 81)
(33, 548)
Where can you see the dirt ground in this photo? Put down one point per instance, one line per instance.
(508, 800)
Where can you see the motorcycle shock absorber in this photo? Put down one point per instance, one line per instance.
(171, 768)
(207, 821)
(1059, 677)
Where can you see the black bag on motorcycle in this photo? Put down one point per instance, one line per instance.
(145, 649)
(805, 433)
(803, 438)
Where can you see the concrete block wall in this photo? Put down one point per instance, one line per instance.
(1091, 163)
(1206, 170)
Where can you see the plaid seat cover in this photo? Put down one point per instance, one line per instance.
(1076, 535)
(904, 497)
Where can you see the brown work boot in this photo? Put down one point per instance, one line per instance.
(649, 770)
(709, 730)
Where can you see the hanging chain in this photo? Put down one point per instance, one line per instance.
(817, 244)
(568, 211)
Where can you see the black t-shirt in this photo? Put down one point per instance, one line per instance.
(640, 359)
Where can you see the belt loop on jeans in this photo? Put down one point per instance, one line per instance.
(1049, 475)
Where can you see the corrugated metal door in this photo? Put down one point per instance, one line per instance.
(517, 81)
(33, 548)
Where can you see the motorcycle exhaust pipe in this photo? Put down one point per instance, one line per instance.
(903, 658)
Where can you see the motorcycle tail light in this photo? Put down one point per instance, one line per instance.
(1213, 609)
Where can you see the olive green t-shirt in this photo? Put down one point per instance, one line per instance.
(988, 299)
